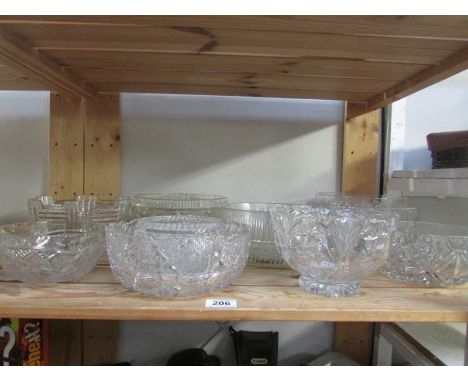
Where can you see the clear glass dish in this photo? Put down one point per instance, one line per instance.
(49, 252)
(145, 205)
(333, 248)
(428, 254)
(342, 199)
(84, 209)
(263, 250)
(177, 255)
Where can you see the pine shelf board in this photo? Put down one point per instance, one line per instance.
(261, 294)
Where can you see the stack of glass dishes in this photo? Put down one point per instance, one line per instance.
(177, 255)
(144, 205)
(263, 250)
(428, 253)
(84, 209)
(332, 247)
(48, 252)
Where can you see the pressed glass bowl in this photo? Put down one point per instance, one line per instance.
(263, 250)
(342, 199)
(332, 248)
(177, 255)
(84, 209)
(46, 252)
(428, 253)
(145, 205)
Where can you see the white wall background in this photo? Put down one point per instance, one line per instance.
(24, 127)
(441, 107)
(249, 149)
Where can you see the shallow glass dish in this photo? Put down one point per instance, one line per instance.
(428, 254)
(84, 209)
(47, 252)
(145, 205)
(263, 250)
(177, 255)
(333, 248)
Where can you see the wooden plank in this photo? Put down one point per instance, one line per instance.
(65, 345)
(237, 42)
(360, 149)
(278, 81)
(251, 91)
(65, 172)
(454, 64)
(20, 55)
(102, 147)
(359, 177)
(437, 27)
(113, 302)
(100, 342)
(321, 67)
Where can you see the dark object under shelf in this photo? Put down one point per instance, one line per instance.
(255, 348)
(193, 357)
(448, 150)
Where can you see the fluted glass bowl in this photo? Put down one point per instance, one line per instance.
(177, 255)
(332, 248)
(145, 205)
(83, 209)
(343, 199)
(45, 252)
(428, 254)
(263, 250)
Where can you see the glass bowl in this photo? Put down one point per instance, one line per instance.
(342, 199)
(263, 250)
(428, 254)
(332, 248)
(47, 252)
(84, 209)
(145, 205)
(177, 255)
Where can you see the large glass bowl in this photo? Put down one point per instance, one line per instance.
(145, 205)
(332, 248)
(263, 249)
(428, 254)
(177, 255)
(45, 252)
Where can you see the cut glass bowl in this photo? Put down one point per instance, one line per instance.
(47, 252)
(333, 248)
(145, 205)
(82, 210)
(177, 255)
(342, 199)
(428, 253)
(263, 250)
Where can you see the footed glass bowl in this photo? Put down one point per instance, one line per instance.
(45, 252)
(263, 250)
(333, 248)
(178, 255)
(145, 205)
(428, 253)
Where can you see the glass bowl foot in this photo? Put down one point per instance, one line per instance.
(311, 285)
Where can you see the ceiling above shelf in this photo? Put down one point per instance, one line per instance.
(366, 60)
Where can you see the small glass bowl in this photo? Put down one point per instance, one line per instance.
(82, 210)
(428, 254)
(333, 248)
(177, 255)
(145, 205)
(49, 252)
(342, 199)
(263, 250)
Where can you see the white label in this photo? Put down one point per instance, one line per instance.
(221, 303)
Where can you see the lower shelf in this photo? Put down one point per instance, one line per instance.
(261, 294)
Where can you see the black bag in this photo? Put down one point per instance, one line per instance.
(193, 357)
(255, 348)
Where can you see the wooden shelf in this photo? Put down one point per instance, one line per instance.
(369, 61)
(262, 294)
